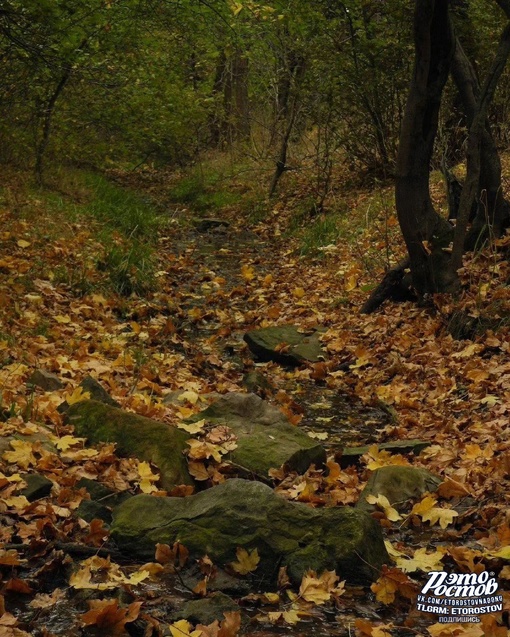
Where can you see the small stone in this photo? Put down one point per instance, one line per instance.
(206, 611)
(285, 344)
(257, 383)
(45, 380)
(91, 510)
(352, 455)
(38, 486)
(97, 391)
(399, 484)
(205, 225)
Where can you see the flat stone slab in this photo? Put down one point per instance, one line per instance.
(240, 513)
(265, 438)
(351, 455)
(285, 344)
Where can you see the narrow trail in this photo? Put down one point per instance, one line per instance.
(214, 265)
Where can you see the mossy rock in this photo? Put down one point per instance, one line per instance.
(265, 438)
(266, 344)
(206, 611)
(399, 484)
(240, 513)
(134, 435)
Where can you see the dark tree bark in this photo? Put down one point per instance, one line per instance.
(218, 124)
(426, 233)
(477, 133)
(47, 121)
(493, 209)
(394, 286)
(286, 117)
(236, 99)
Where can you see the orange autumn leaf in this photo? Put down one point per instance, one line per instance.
(107, 616)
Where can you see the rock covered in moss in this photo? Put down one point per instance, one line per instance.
(285, 344)
(134, 435)
(240, 513)
(265, 437)
(399, 484)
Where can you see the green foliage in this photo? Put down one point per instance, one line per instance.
(202, 193)
(130, 268)
(316, 232)
(119, 209)
(114, 84)
(129, 231)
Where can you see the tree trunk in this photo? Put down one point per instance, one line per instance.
(493, 209)
(47, 121)
(236, 99)
(218, 124)
(240, 71)
(425, 232)
(475, 142)
(287, 112)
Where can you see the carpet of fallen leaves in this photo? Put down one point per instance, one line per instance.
(59, 573)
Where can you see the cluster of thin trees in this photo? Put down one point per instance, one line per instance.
(287, 82)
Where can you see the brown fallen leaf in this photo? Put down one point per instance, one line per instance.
(109, 617)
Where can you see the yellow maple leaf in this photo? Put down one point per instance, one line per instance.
(318, 589)
(80, 454)
(183, 628)
(246, 561)
(247, 272)
(67, 441)
(376, 459)
(23, 244)
(422, 561)
(290, 616)
(383, 502)
(194, 427)
(22, 454)
(76, 396)
(189, 396)
(16, 501)
(298, 293)
(427, 503)
(430, 513)
(147, 478)
(351, 282)
(385, 589)
(392, 551)
(318, 435)
(107, 574)
(502, 553)
(199, 449)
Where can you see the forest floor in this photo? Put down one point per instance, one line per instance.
(122, 283)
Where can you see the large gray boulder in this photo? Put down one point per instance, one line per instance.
(240, 513)
(266, 344)
(265, 438)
